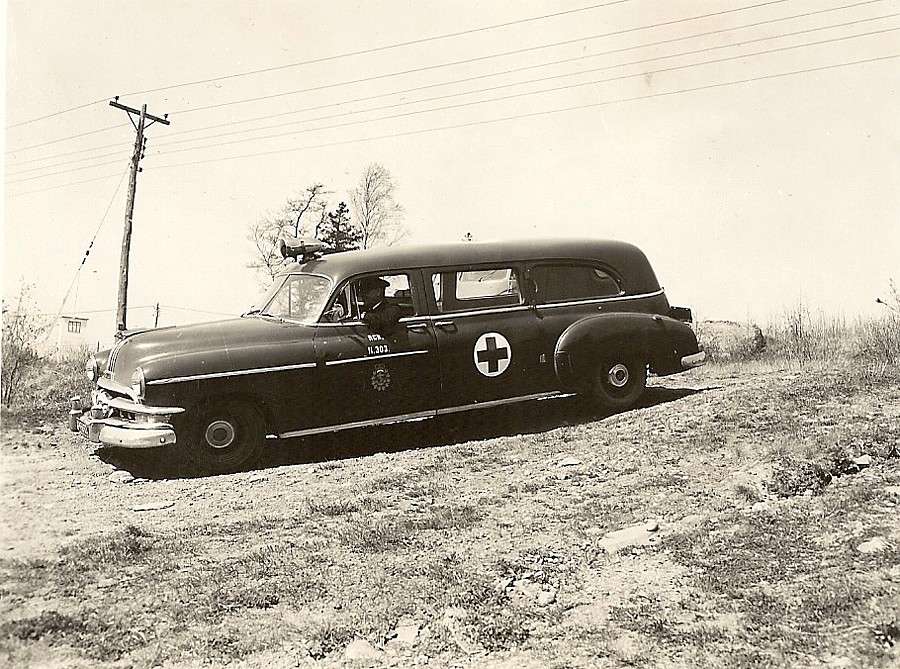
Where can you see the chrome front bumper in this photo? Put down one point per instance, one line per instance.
(123, 423)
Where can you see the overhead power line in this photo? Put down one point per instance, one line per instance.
(457, 81)
(546, 112)
(90, 246)
(525, 94)
(476, 59)
(67, 162)
(59, 113)
(406, 103)
(63, 139)
(582, 57)
(58, 172)
(365, 52)
(65, 185)
(323, 59)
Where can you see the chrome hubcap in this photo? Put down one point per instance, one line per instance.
(220, 434)
(618, 375)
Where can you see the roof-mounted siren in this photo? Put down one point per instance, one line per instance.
(300, 248)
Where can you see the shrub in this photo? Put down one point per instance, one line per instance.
(805, 337)
(22, 329)
(879, 339)
(44, 392)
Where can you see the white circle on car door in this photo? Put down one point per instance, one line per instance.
(492, 354)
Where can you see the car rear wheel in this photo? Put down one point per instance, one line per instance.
(226, 435)
(619, 383)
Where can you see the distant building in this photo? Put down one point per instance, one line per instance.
(71, 332)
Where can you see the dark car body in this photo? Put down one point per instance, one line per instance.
(472, 325)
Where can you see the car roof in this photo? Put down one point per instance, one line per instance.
(625, 259)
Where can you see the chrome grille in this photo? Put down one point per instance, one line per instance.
(114, 354)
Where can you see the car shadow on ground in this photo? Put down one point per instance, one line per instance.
(508, 420)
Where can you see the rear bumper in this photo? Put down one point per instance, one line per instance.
(693, 360)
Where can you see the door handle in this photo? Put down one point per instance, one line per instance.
(418, 327)
(444, 324)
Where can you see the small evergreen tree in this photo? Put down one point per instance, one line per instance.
(338, 232)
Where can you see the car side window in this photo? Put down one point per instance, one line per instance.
(348, 303)
(564, 283)
(476, 288)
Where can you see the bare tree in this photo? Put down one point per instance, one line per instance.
(21, 330)
(377, 213)
(297, 217)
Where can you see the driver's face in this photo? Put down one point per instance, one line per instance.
(373, 296)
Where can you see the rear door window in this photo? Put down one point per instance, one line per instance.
(567, 283)
(476, 289)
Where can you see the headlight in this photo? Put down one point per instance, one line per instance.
(138, 383)
(92, 369)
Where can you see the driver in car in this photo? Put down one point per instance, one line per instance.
(379, 314)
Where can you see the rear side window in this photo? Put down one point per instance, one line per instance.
(477, 288)
(565, 283)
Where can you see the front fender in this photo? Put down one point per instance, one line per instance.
(660, 341)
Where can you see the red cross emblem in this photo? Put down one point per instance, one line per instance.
(492, 354)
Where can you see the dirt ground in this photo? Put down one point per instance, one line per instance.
(739, 517)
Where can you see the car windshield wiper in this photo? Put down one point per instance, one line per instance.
(260, 313)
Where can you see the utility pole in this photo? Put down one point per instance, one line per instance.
(139, 146)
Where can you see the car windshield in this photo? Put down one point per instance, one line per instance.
(296, 297)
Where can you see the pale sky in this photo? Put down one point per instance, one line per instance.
(751, 148)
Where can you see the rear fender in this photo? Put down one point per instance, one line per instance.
(660, 341)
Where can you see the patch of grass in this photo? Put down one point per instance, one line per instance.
(82, 563)
(373, 535)
(123, 548)
(331, 508)
(97, 634)
(330, 636)
(770, 570)
(490, 620)
(796, 472)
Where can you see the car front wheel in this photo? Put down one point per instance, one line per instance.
(226, 435)
(619, 383)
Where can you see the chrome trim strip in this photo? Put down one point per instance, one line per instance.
(403, 418)
(240, 372)
(509, 400)
(399, 354)
(422, 415)
(344, 324)
(499, 310)
(600, 300)
(114, 356)
(472, 312)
